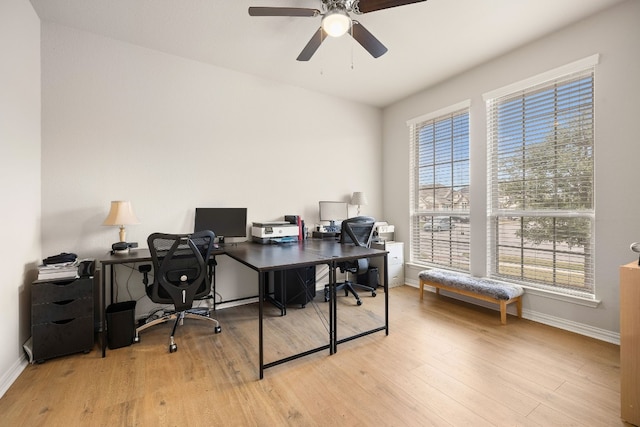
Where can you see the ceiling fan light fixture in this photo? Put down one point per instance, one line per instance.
(336, 22)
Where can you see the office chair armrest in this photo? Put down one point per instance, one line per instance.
(212, 263)
(145, 269)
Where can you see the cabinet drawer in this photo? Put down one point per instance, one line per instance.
(57, 339)
(51, 291)
(61, 310)
(396, 275)
(394, 259)
(396, 253)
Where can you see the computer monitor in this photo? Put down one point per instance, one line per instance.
(224, 222)
(333, 212)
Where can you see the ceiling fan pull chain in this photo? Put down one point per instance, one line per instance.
(352, 66)
(351, 43)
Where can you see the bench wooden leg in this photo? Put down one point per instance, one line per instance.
(503, 312)
(502, 303)
(424, 283)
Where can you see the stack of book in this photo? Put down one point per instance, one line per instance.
(63, 270)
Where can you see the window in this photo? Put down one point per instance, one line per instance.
(541, 202)
(440, 188)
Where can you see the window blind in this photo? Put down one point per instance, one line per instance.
(440, 189)
(541, 201)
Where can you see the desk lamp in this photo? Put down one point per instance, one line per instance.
(358, 198)
(121, 214)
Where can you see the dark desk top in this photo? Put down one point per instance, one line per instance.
(308, 252)
(138, 255)
(270, 257)
(134, 255)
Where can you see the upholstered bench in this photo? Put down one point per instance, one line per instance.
(481, 288)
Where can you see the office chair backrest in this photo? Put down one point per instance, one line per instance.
(357, 230)
(180, 267)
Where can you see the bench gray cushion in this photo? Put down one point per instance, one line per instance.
(482, 286)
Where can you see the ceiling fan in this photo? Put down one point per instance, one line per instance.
(337, 22)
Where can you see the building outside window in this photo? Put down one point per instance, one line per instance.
(440, 188)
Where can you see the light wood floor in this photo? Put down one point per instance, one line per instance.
(444, 363)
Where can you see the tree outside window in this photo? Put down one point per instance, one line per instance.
(541, 173)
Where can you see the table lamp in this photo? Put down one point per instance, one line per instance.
(121, 214)
(358, 198)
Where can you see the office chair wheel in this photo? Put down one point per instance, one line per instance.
(326, 295)
(173, 348)
(359, 302)
(373, 293)
(217, 329)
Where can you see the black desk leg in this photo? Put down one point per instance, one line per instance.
(333, 308)
(386, 296)
(261, 283)
(102, 305)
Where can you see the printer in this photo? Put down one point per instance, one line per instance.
(274, 232)
(383, 232)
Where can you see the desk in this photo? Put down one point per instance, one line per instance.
(267, 258)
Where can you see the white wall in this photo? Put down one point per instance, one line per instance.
(615, 34)
(170, 134)
(117, 119)
(19, 178)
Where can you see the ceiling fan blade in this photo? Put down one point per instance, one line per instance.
(313, 45)
(366, 6)
(367, 40)
(283, 11)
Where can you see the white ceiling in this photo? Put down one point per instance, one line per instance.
(427, 41)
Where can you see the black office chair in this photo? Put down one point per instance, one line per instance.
(182, 274)
(359, 231)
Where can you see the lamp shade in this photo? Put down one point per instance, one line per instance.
(336, 22)
(121, 213)
(358, 198)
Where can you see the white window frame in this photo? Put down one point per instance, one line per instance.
(496, 212)
(450, 237)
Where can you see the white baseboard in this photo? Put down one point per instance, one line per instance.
(556, 322)
(571, 326)
(12, 374)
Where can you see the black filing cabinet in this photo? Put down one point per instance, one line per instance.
(299, 285)
(61, 317)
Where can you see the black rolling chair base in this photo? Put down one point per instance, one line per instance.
(350, 287)
(358, 231)
(198, 314)
(182, 273)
